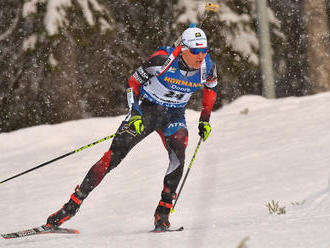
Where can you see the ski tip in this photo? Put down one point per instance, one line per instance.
(44, 229)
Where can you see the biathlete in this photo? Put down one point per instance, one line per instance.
(157, 95)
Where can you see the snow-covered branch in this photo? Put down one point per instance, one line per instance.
(11, 28)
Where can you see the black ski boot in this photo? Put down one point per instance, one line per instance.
(67, 211)
(162, 212)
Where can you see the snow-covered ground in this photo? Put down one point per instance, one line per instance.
(259, 150)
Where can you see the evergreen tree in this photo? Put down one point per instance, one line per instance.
(70, 59)
(290, 63)
(42, 83)
(234, 47)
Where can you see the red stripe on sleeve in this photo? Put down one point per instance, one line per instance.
(209, 97)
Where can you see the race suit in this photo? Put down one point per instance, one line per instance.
(161, 88)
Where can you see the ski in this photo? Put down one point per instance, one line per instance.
(162, 230)
(39, 230)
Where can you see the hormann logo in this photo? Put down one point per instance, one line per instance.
(182, 82)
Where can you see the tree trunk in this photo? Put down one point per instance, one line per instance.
(318, 40)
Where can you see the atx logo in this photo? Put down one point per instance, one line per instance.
(176, 124)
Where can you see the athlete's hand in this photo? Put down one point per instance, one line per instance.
(204, 129)
(136, 122)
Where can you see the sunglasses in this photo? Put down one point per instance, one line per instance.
(196, 51)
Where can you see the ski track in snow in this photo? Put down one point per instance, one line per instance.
(259, 150)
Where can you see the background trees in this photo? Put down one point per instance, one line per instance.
(71, 59)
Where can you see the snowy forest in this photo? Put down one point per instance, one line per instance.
(65, 60)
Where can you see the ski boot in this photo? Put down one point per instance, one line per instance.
(162, 212)
(67, 211)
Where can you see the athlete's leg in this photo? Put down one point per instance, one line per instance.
(176, 145)
(125, 139)
(123, 142)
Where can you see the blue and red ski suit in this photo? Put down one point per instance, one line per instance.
(162, 87)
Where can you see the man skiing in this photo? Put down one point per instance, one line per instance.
(157, 95)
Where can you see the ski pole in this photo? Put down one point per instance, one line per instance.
(185, 177)
(209, 7)
(60, 157)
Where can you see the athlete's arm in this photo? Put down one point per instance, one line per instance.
(143, 74)
(147, 70)
(209, 95)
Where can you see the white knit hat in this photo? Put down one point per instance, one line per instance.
(194, 38)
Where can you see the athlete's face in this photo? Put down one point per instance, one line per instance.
(193, 60)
